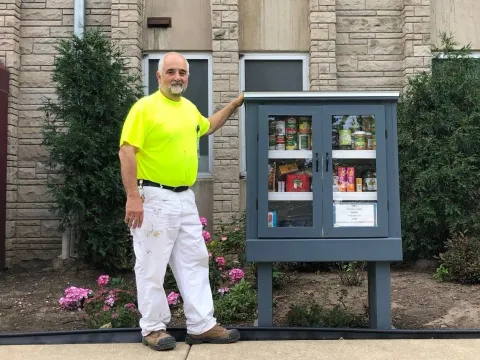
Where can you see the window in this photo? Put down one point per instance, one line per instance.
(437, 61)
(199, 92)
(270, 72)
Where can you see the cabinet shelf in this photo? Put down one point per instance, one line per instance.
(290, 196)
(289, 154)
(354, 154)
(354, 196)
(307, 154)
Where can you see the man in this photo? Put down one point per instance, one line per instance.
(159, 163)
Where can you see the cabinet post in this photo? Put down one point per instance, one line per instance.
(379, 295)
(265, 295)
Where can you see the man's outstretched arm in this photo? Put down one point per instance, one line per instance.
(218, 119)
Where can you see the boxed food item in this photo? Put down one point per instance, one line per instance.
(272, 219)
(342, 178)
(350, 179)
(288, 168)
(298, 183)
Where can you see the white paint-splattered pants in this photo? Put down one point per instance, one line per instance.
(171, 233)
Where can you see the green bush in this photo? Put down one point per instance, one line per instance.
(311, 314)
(461, 261)
(81, 133)
(238, 304)
(438, 127)
(351, 273)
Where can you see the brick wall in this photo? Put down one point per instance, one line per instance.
(354, 45)
(32, 227)
(10, 56)
(126, 30)
(369, 44)
(225, 82)
(43, 23)
(323, 33)
(416, 37)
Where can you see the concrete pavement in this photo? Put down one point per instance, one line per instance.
(258, 350)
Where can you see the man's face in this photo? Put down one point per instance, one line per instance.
(174, 77)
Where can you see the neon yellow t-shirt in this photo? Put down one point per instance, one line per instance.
(166, 133)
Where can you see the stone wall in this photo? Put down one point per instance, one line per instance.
(10, 56)
(416, 37)
(226, 186)
(323, 34)
(354, 45)
(369, 44)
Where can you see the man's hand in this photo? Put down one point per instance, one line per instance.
(220, 117)
(134, 211)
(239, 100)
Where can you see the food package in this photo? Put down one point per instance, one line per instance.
(298, 183)
(350, 179)
(288, 168)
(342, 179)
(271, 176)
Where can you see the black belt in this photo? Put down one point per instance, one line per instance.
(151, 183)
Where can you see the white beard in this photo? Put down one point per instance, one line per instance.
(178, 89)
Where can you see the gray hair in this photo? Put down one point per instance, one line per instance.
(161, 62)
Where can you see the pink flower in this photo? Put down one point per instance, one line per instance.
(103, 280)
(224, 238)
(173, 298)
(220, 261)
(206, 236)
(203, 221)
(223, 290)
(110, 301)
(115, 315)
(209, 254)
(236, 275)
(130, 306)
(73, 297)
(105, 308)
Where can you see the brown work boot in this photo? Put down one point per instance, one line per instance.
(159, 340)
(216, 335)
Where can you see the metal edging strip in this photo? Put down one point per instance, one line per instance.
(132, 335)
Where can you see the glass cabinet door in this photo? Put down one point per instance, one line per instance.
(355, 186)
(289, 171)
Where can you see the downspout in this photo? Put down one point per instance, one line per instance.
(78, 29)
(79, 17)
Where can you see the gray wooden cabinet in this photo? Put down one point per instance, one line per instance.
(322, 185)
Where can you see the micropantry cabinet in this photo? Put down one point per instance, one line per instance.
(322, 183)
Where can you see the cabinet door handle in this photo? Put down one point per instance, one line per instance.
(326, 169)
(316, 162)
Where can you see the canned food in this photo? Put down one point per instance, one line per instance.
(280, 127)
(280, 142)
(291, 142)
(271, 142)
(303, 142)
(291, 126)
(271, 125)
(304, 125)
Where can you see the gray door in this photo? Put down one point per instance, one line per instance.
(355, 171)
(289, 172)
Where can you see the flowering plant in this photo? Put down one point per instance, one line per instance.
(112, 305)
(224, 264)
